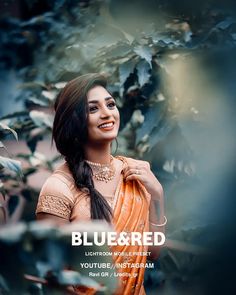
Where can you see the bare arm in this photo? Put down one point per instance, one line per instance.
(156, 218)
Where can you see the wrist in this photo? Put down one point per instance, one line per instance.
(160, 223)
(157, 195)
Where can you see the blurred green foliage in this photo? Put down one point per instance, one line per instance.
(38, 259)
(133, 50)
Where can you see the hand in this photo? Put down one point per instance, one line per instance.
(140, 170)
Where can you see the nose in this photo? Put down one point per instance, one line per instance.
(105, 112)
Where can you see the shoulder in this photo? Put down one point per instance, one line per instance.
(59, 183)
(59, 194)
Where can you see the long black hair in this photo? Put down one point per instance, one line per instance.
(70, 133)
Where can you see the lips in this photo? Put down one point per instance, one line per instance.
(106, 125)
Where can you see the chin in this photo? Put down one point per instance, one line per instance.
(103, 136)
(107, 137)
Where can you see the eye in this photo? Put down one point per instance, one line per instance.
(111, 104)
(92, 109)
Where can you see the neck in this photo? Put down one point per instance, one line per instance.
(98, 154)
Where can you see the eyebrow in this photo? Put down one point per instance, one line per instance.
(106, 98)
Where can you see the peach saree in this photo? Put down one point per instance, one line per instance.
(60, 197)
(131, 214)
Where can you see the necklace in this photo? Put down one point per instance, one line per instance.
(103, 172)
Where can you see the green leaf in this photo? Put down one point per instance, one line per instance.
(225, 24)
(125, 70)
(234, 36)
(35, 84)
(166, 41)
(50, 95)
(3, 126)
(32, 144)
(29, 171)
(143, 69)
(144, 52)
(16, 115)
(116, 51)
(60, 85)
(37, 159)
(160, 132)
(41, 119)
(38, 102)
(152, 118)
(10, 164)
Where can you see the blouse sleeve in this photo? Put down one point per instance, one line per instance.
(55, 198)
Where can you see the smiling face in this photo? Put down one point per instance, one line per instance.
(103, 115)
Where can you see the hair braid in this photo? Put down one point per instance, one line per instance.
(70, 133)
(82, 174)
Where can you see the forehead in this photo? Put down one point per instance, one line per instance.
(97, 93)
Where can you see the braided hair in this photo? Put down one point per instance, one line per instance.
(70, 133)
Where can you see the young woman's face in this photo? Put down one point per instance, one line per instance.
(103, 115)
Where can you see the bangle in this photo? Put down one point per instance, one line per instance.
(161, 224)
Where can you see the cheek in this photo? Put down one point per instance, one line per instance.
(91, 125)
(92, 120)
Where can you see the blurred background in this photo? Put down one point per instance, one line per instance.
(171, 65)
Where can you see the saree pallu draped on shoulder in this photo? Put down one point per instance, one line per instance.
(131, 214)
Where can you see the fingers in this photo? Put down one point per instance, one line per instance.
(133, 177)
(136, 170)
(132, 171)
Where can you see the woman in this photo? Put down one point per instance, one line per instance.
(92, 184)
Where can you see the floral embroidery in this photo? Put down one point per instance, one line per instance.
(54, 205)
(141, 224)
(123, 209)
(138, 198)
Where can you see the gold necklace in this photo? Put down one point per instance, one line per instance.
(103, 172)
